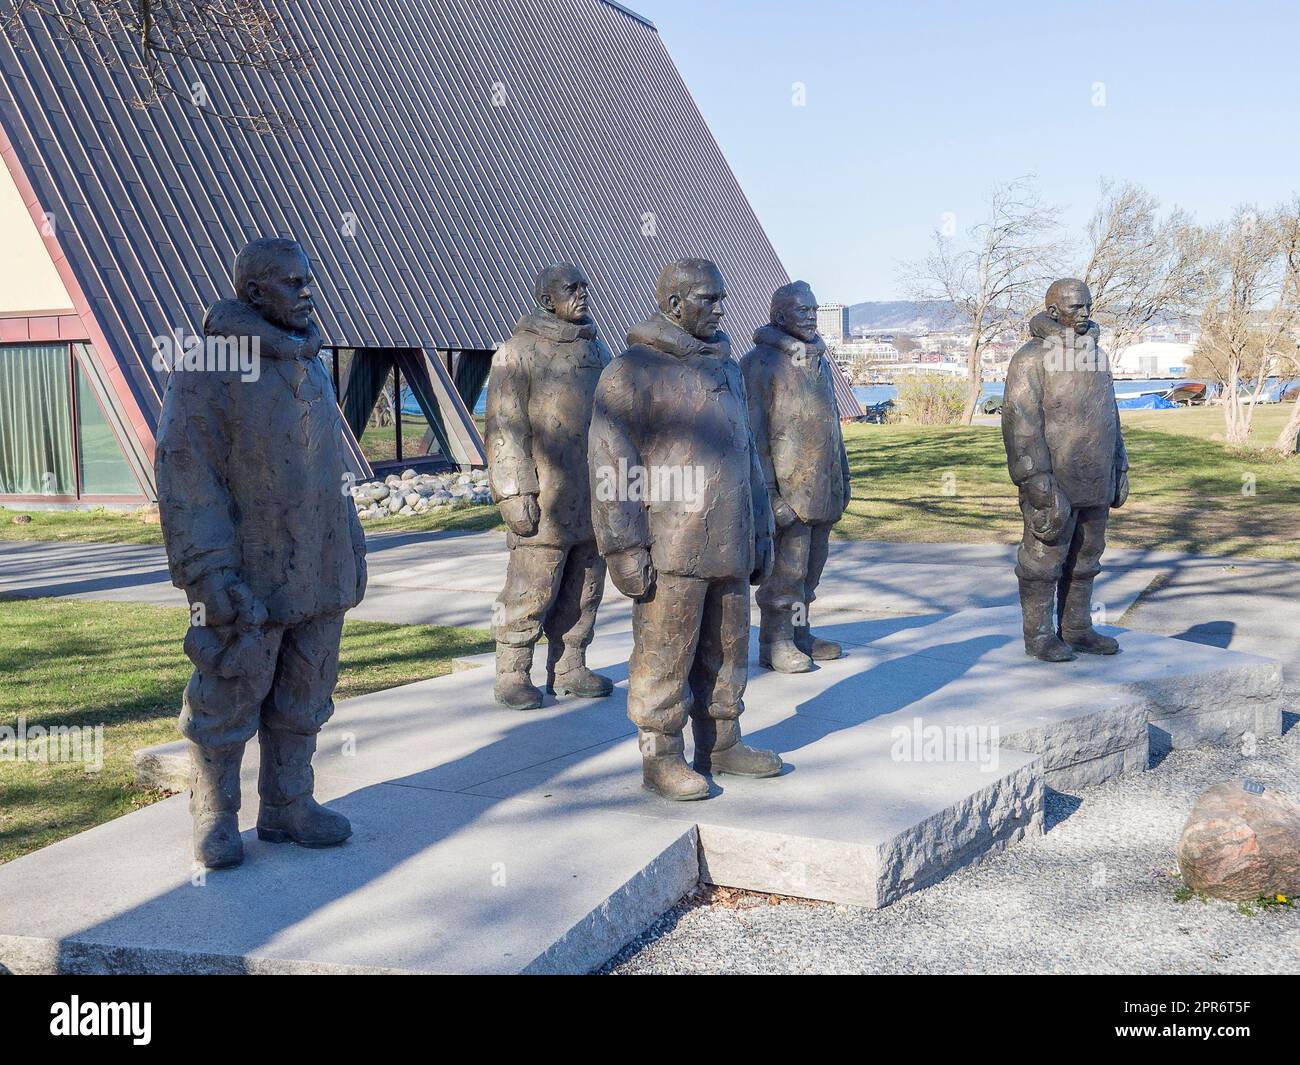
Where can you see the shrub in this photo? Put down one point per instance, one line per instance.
(932, 398)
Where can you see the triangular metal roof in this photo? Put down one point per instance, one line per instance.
(446, 151)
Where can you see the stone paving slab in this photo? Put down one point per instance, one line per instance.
(430, 882)
(492, 841)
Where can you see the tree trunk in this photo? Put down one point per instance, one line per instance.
(1236, 420)
(974, 381)
(1286, 442)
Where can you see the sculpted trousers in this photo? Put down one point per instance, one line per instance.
(690, 652)
(1075, 554)
(288, 684)
(555, 590)
(799, 557)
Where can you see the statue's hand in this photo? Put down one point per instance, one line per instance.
(521, 514)
(1048, 522)
(632, 571)
(251, 610)
(783, 513)
(226, 600)
(1040, 490)
(212, 597)
(1121, 488)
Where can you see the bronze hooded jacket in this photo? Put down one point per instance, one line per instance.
(540, 397)
(796, 424)
(251, 477)
(1059, 414)
(673, 463)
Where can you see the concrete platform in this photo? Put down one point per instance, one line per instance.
(490, 841)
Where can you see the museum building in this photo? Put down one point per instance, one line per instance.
(437, 154)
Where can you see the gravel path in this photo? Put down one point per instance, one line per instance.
(1095, 894)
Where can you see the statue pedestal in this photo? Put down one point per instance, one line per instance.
(491, 841)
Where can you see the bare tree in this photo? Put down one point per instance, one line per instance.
(1251, 309)
(157, 41)
(1140, 267)
(1288, 440)
(995, 275)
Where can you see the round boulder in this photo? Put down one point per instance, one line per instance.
(1240, 843)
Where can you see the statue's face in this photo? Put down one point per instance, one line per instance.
(698, 309)
(797, 315)
(284, 296)
(566, 296)
(1072, 308)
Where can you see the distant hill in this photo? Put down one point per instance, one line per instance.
(903, 316)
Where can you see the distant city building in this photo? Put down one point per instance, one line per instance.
(833, 322)
(1153, 359)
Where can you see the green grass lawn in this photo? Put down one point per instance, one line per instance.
(74, 662)
(950, 484)
(1188, 493)
(127, 527)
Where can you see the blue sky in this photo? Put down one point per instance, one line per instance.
(916, 108)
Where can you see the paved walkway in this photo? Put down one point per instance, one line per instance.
(452, 578)
(1245, 605)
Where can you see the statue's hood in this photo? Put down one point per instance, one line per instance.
(667, 336)
(1043, 325)
(552, 327)
(235, 318)
(774, 336)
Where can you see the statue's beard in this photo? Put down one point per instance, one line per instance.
(1082, 327)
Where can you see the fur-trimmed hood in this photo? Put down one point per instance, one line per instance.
(1043, 325)
(667, 336)
(235, 318)
(552, 327)
(773, 336)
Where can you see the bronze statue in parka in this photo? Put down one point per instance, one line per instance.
(264, 539)
(540, 396)
(1065, 451)
(796, 426)
(682, 519)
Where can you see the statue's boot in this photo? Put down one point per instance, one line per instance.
(214, 804)
(815, 647)
(664, 769)
(514, 687)
(569, 675)
(776, 647)
(1041, 640)
(718, 749)
(1076, 621)
(289, 813)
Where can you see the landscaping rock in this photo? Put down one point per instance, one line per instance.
(1239, 845)
(418, 493)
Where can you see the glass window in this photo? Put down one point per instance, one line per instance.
(104, 470)
(35, 420)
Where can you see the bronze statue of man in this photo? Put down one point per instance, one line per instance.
(539, 407)
(1065, 451)
(796, 426)
(264, 539)
(682, 519)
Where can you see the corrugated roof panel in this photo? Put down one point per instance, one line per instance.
(447, 151)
